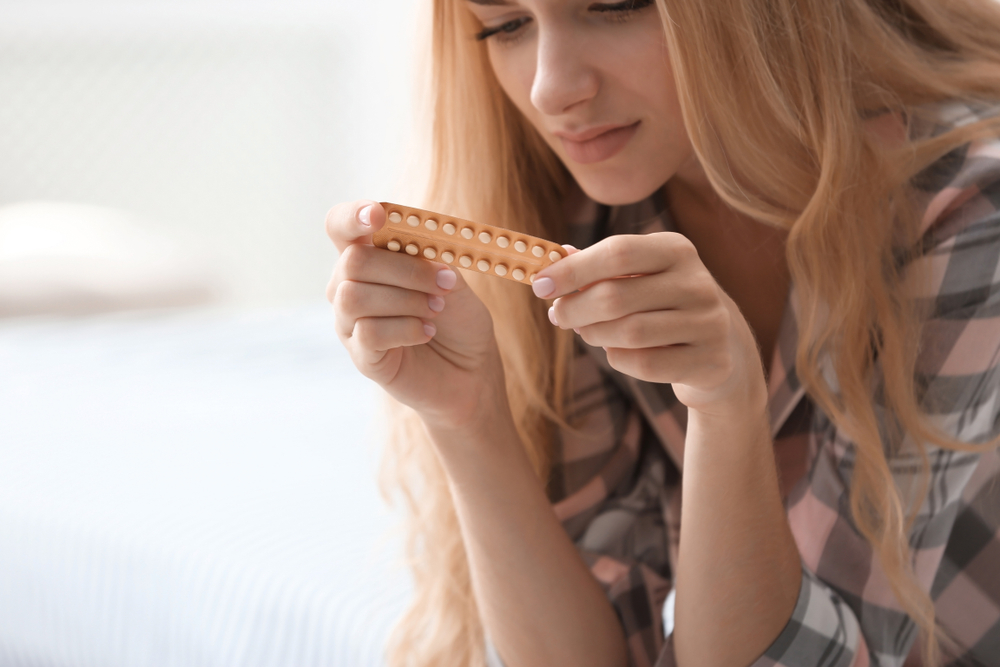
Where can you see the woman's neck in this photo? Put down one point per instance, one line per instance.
(746, 257)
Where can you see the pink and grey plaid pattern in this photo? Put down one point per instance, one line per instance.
(616, 483)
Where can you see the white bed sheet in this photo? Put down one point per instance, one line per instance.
(191, 489)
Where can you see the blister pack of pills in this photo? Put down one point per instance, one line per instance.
(470, 245)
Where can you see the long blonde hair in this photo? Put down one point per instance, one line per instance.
(792, 80)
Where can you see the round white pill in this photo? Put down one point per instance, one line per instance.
(518, 274)
(412, 249)
(467, 233)
(532, 278)
(483, 265)
(503, 241)
(393, 246)
(431, 225)
(538, 251)
(520, 246)
(395, 217)
(430, 253)
(447, 257)
(554, 256)
(485, 237)
(465, 261)
(500, 269)
(413, 221)
(448, 228)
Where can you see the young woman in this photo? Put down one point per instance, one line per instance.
(768, 380)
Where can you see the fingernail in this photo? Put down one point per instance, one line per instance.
(365, 216)
(430, 330)
(435, 303)
(569, 247)
(552, 316)
(446, 279)
(543, 287)
(576, 330)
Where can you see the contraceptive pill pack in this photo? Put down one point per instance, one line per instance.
(471, 245)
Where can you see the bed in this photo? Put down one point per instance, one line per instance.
(191, 488)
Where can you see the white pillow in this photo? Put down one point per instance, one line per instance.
(73, 259)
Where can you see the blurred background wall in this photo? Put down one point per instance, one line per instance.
(228, 125)
(193, 486)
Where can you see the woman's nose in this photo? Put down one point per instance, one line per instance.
(564, 76)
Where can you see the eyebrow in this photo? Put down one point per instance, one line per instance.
(489, 2)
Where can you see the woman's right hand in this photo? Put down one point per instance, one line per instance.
(412, 325)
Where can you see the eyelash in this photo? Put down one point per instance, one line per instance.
(510, 32)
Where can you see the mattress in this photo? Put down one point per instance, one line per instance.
(193, 488)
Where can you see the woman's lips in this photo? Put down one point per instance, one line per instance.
(602, 147)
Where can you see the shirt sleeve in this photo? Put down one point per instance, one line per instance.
(625, 543)
(617, 521)
(637, 594)
(846, 614)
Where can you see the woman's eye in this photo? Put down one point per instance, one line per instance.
(510, 32)
(505, 32)
(621, 11)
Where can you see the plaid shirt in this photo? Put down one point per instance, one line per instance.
(616, 483)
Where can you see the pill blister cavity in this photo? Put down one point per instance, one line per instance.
(448, 229)
(503, 241)
(465, 261)
(500, 269)
(538, 251)
(412, 249)
(413, 221)
(393, 245)
(485, 237)
(467, 233)
(520, 246)
(483, 265)
(395, 217)
(431, 225)
(517, 274)
(447, 257)
(430, 253)
(555, 256)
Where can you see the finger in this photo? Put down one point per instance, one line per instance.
(676, 363)
(645, 330)
(368, 264)
(355, 300)
(373, 336)
(614, 299)
(619, 255)
(354, 222)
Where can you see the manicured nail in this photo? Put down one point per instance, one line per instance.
(552, 316)
(435, 303)
(446, 279)
(430, 330)
(365, 216)
(543, 287)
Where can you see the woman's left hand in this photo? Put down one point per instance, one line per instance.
(649, 301)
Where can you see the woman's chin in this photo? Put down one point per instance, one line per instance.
(618, 189)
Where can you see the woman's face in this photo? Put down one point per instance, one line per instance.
(595, 80)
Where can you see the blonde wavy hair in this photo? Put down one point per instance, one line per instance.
(792, 80)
